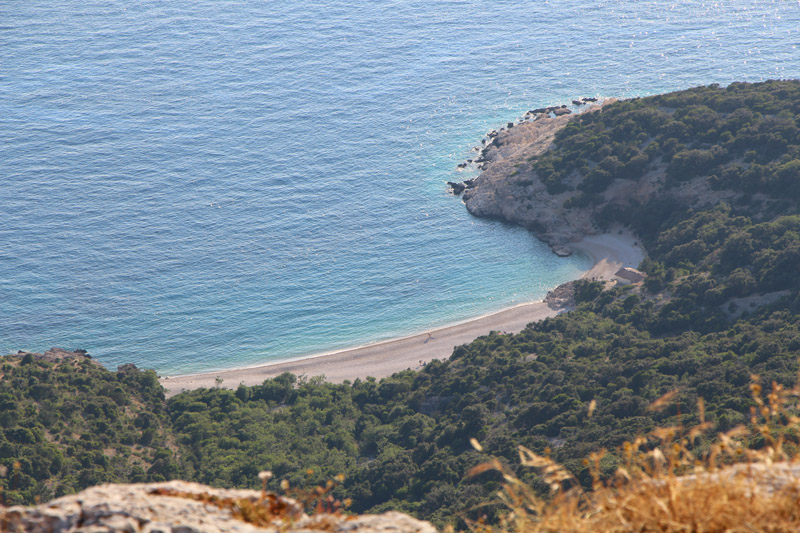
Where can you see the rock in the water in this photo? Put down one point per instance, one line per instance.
(577, 102)
(562, 251)
(561, 111)
(457, 188)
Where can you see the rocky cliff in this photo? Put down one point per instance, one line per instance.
(509, 190)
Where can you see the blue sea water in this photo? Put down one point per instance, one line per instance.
(192, 185)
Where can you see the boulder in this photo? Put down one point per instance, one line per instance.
(562, 251)
(179, 506)
(457, 188)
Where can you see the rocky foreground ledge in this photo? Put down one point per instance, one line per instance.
(182, 507)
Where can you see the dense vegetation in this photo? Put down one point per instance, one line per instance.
(67, 423)
(721, 303)
(743, 137)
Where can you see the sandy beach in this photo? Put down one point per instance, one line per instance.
(609, 252)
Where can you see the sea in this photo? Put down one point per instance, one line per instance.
(203, 184)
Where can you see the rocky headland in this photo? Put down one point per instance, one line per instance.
(509, 188)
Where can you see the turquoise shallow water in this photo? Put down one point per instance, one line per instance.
(199, 185)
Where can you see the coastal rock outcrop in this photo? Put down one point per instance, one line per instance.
(182, 507)
(456, 187)
(562, 297)
(509, 189)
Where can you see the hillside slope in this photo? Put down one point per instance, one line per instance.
(709, 178)
(67, 423)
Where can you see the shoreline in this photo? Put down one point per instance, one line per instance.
(609, 252)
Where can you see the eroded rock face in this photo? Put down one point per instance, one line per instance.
(509, 190)
(182, 507)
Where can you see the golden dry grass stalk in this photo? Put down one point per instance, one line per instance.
(665, 483)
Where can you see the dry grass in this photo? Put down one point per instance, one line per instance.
(668, 481)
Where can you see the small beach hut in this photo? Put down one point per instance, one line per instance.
(630, 275)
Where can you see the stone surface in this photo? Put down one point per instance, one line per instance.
(457, 188)
(508, 190)
(758, 478)
(157, 507)
(562, 251)
(562, 297)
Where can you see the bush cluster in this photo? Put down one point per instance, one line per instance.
(69, 424)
